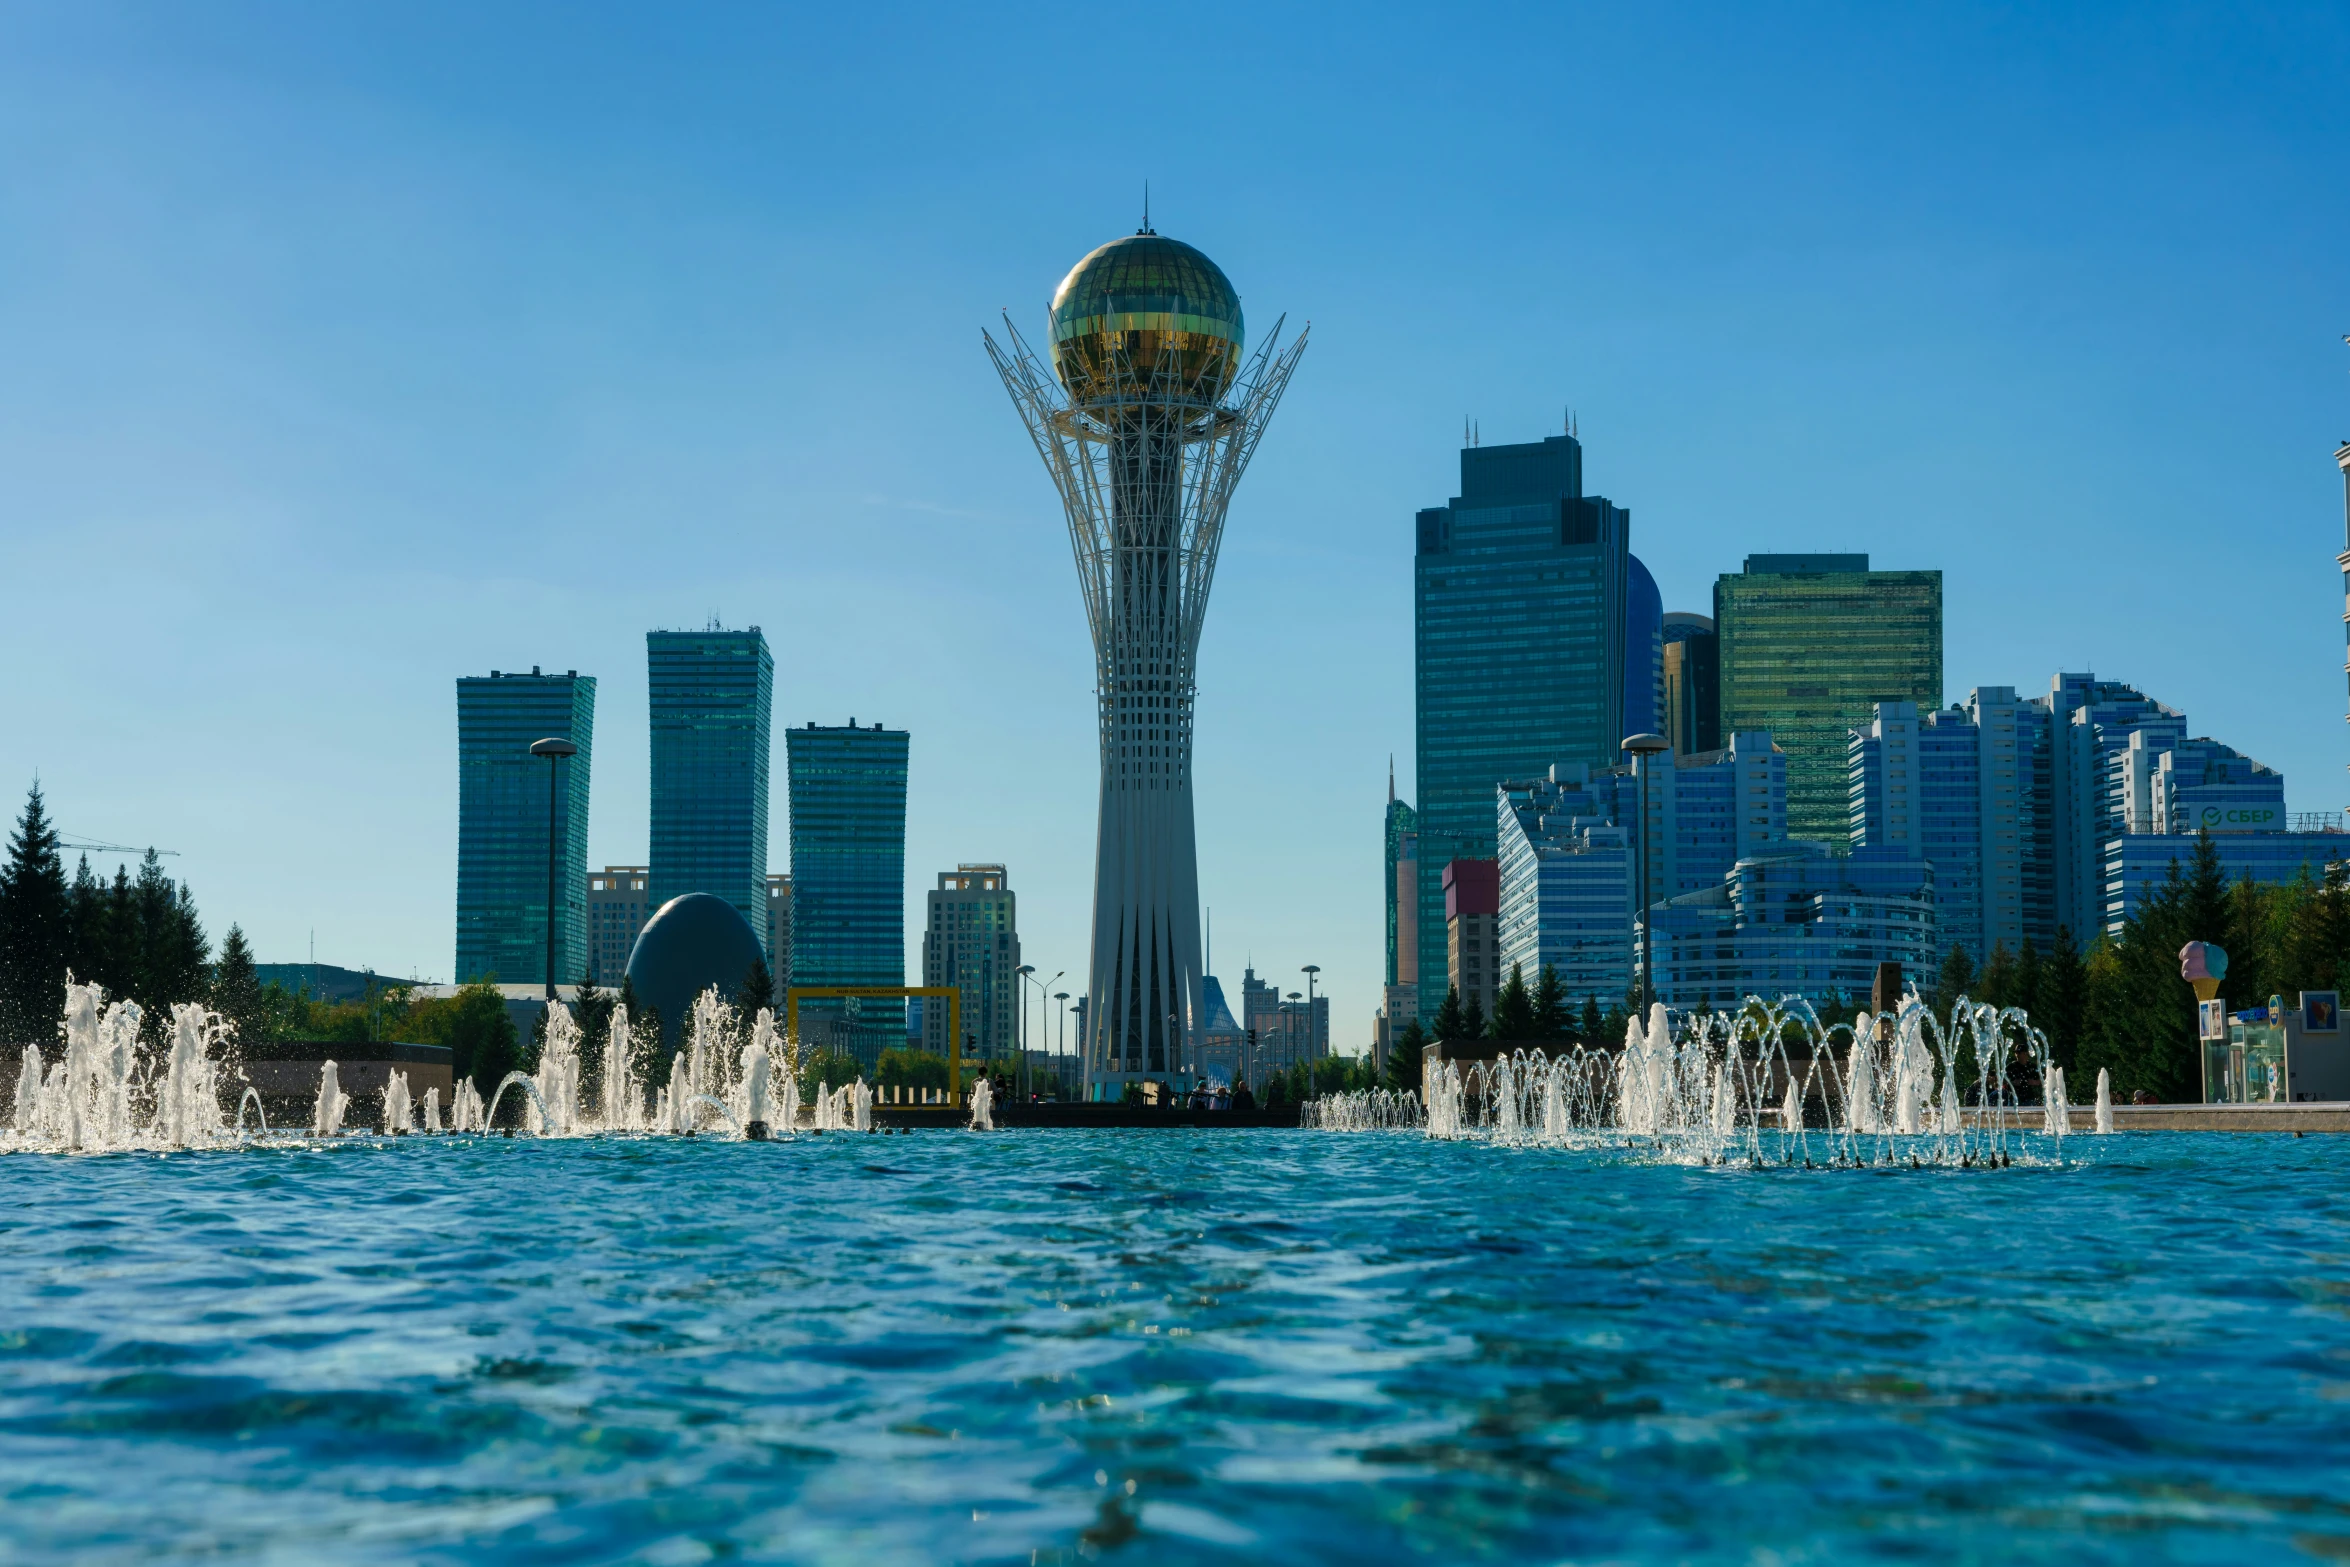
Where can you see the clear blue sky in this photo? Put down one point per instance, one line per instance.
(345, 350)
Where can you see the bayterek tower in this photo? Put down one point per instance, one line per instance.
(1145, 421)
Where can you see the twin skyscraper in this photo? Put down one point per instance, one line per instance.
(710, 700)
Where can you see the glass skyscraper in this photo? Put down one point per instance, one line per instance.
(710, 693)
(848, 867)
(502, 838)
(1519, 631)
(1809, 644)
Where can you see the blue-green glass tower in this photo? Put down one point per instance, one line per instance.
(1518, 619)
(502, 840)
(711, 693)
(848, 863)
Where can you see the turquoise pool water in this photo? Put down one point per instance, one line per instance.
(1170, 1347)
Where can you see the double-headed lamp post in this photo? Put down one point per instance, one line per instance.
(1023, 974)
(1060, 1041)
(554, 750)
(1643, 747)
(1309, 971)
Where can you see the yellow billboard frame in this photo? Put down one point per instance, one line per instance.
(954, 995)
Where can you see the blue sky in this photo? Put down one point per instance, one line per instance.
(345, 350)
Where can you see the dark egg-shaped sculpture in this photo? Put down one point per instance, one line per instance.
(690, 944)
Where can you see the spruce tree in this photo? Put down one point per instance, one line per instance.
(35, 928)
(2028, 970)
(1592, 1029)
(236, 989)
(1957, 978)
(1473, 1019)
(1996, 984)
(1403, 1057)
(1513, 1008)
(1449, 1023)
(1551, 1020)
(758, 990)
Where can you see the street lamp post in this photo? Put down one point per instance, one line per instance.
(1309, 971)
(1644, 747)
(1023, 974)
(554, 750)
(1060, 1040)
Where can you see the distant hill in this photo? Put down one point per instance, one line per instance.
(326, 982)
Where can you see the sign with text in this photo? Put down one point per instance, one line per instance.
(2212, 1020)
(2241, 818)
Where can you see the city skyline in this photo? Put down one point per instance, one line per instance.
(336, 462)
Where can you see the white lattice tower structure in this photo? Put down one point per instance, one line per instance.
(1145, 421)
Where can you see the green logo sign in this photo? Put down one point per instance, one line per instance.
(2240, 818)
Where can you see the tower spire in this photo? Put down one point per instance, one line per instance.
(1391, 778)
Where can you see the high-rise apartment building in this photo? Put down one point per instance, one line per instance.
(1472, 930)
(1401, 1002)
(848, 867)
(1566, 890)
(1808, 645)
(1519, 622)
(2090, 722)
(972, 942)
(505, 840)
(710, 693)
(1692, 673)
(617, 908)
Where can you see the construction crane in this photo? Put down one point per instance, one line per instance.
(112, 848)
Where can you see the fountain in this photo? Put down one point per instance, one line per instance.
(399, 1114)
(983, 1106)
(555, 1100)
(327, 1119)
(624, 1096)
(1903, 1084)
(432, 1110)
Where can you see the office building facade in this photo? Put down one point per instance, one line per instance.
(1519, 614)
(779, 934)
(504, 846)
(1566, 890)
(1644, 651)
(617, 906)
(848, 858)
(710, 695)
(1403, 885)
(971, 941)
(1472, 931)
(1690, 666)
(1808, 645)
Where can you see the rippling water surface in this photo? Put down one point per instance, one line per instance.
(1170, 1346)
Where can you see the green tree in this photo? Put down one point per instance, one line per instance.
(1551, 1018)
(1403, 1057)
(2028, 969)
(478, 1030)
(1995, 986)
(35, 928)
(1592, 1029)
(911, 1069)
(1957, 978)
(1473, 1019)
(829, 1069)
(1450, 1022)
(757, 992)
(593, 1009)
(2061, 999)
(237, 990)
(1513, 1008)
